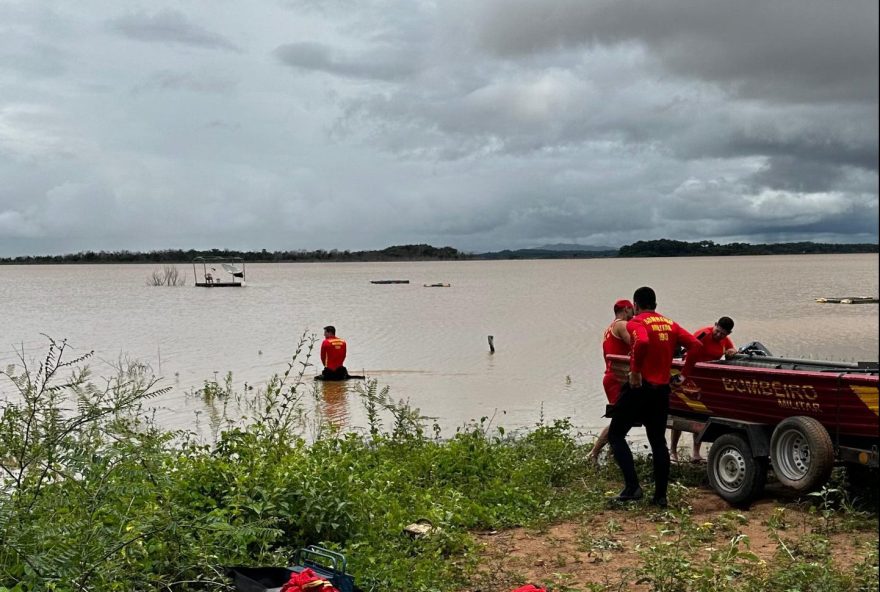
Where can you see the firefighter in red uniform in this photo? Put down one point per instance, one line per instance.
(616, 341)
(333, 355)
(716, 344)
(645, 399)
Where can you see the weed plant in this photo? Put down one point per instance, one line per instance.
(100, 498)
(96, 497)
(169, 275)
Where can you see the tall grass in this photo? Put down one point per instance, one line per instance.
(97, 497)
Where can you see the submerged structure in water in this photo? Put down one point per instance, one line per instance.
(219, 272)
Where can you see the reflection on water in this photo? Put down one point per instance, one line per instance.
(430, 346)
(334, 397)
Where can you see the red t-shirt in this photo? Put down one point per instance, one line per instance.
(711, 350)
(654, 340)
(333, 352)
(612, 344)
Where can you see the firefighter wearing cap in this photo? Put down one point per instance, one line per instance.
(645, 399)
(615, 342)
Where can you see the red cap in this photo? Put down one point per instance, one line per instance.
(621, 304)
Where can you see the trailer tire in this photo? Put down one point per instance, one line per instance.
(736, 475)
(802, 453)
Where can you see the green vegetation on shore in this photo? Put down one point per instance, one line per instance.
(99, 498)
(672, 248)
(393, 253)
(423, 252)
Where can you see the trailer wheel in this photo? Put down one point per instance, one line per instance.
(736, 475)
(802, 453)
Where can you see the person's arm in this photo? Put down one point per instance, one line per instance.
(324, 352)
(639, 339)
(619, 330)
(692, 346)
(729, 348)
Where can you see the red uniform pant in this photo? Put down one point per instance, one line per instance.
(612, 387)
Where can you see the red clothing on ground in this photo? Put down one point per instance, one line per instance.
(612, 344)
(307, 581)
(333, 352)
(654, 340)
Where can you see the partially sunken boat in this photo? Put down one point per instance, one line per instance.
(389, 281)
(219, 272)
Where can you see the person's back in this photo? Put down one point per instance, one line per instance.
(654, 341)
(333, 350)
(615, 341)
(645, 399)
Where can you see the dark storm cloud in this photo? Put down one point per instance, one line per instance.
(373, 64)
(779, 82)
(811, 148)
(797, 174)
(799, 50)
(482, 124)
(169, 26)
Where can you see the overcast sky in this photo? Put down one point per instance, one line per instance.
(479, 124)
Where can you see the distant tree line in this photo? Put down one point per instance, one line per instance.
(655, 248)
(672, 248)
(394, 253)
(545, 254)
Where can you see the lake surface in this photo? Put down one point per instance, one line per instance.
(429, 345)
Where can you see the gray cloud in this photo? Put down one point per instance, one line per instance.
(373, 64)
(792, 49)
(199, 82)
(169, 26)
(479, 124)
(34, 59)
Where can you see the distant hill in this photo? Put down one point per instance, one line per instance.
(573, 247)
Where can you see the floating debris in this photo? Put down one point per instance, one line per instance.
(849, 300)
(420, 528)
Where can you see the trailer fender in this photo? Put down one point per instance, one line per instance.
(757, 434)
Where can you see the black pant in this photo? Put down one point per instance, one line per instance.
(649, 406)
(339, 373)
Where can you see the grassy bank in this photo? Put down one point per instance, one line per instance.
(100, 498)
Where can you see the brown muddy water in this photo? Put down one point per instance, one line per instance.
(429, 345)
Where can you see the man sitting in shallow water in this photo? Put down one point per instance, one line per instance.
(333, 355)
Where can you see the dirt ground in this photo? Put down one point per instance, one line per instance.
(603, 548)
